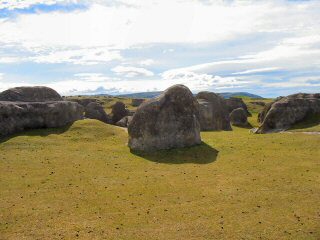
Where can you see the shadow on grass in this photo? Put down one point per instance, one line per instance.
(42, 132)
(311, 120)
(200, 154)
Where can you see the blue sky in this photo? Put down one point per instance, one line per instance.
(269, 48)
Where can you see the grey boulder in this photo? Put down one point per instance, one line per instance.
(118, 111)
(124, 122)
(168, 121)
(30, 94)
(234, 103)
(286, 111)
(238, 117)
(95, 111)
(19, 116)
(213, 113)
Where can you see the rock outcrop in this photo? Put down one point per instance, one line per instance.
(30, 94)
(238, 117)
(118, 112)
(213, 114)
(234, 103)
(24, 108)
(286, 111)
(136, 102)
(19, 116)
(168, 121)
(124, 122)
(95, 111)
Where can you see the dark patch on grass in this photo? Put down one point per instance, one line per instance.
(43, 132)
(200, 154)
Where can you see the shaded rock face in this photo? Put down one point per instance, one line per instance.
(234, 103)
(19, 116)
(286, 111)
(264, 112)
(95, 111)
(238, 117)
(30, 94)
(168, 121)
(124, 122)
(136, 102)
(85, 101)
(118, 112)
(213, 114)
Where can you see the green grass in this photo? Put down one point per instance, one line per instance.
(82, 182)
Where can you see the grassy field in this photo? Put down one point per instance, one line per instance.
(83, 183)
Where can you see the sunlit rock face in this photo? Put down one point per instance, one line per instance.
(213, 113)
(168, 121)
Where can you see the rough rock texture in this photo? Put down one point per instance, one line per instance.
(238, 117)
(234, 103)
(124, 122)
(84, 101)
(264, 112)
(118, 112)
(18, 116)
(137, 101)
(286, 111)
(213, 112)
(30, 94)
(168, 121)
(95, 111)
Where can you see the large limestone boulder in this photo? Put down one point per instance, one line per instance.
(238, 117)
(168, 121)
(30, 94)
(95, 111)
(124, 122)
(118, 111)
(136, 102)
(19, 116)
(286, 111)
(213, 112)
(234, 103)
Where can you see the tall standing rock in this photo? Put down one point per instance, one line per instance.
(168, 121)
(238, 117)
(118, 112)
(213, 112)
(95, 111)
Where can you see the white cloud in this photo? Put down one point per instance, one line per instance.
(259, 70)
(132, 71)
(308, 81)
(1, 76)
(92, 77)
(84, 56)
(147, 62)
(20, 4)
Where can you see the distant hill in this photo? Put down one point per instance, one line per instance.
(154, 94)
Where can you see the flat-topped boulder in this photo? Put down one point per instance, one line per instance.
(168, 121)
(19, 116)
(213, 113)
(30, 94)
(234, 103)
(95, 111)
(287, 111)
(238, 117)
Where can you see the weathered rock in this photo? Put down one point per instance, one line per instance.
(124, 122)
(213, 112)
(264, 112)
(19, 116)
(136, 102)
(118, 112)
(95, 111)
(234, 103)
(238, 117)
(286, 111)
(84, 101)
(30, 94)
(168, 121)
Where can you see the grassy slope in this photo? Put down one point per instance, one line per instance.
(85, 184)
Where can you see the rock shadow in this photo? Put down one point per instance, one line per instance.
(199, 154)
(42, 132)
